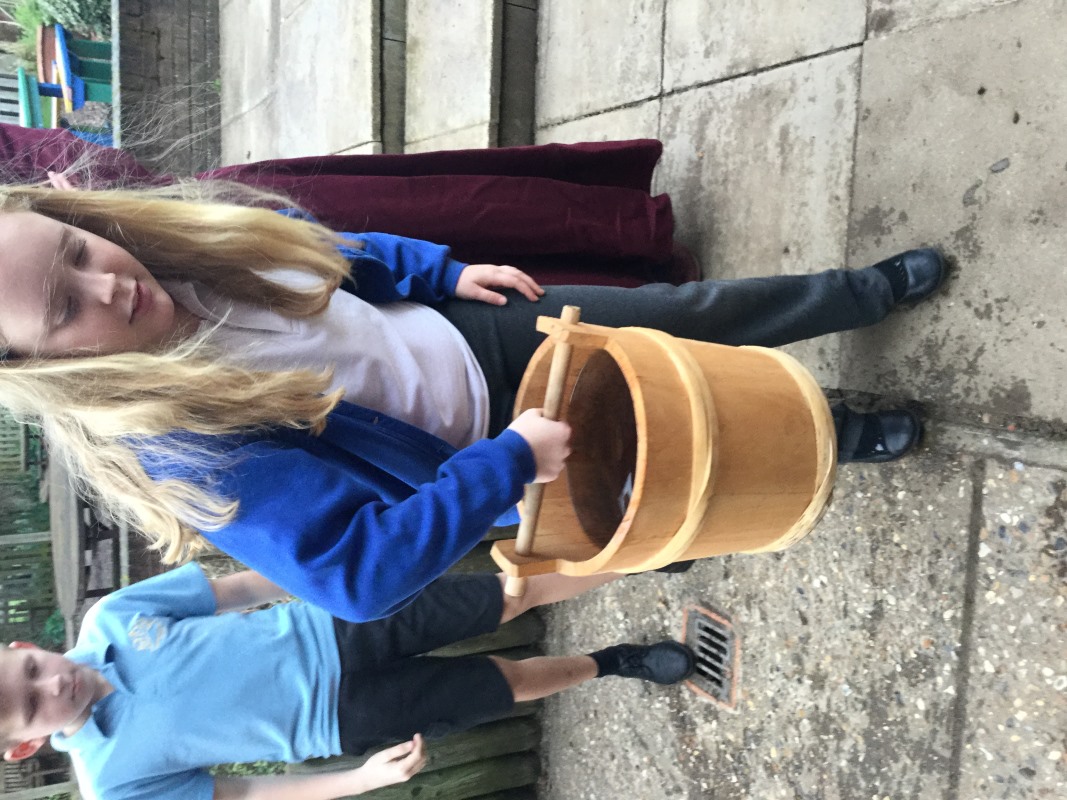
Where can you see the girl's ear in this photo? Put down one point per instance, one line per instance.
(23, 750)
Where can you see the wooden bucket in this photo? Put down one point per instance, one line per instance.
(682, 450)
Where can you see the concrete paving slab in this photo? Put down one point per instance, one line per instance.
(251, 136)
(322, 98)
(639, 121)
(247, 48)
(329, 90)
(960, 143)
(763, 163)
(760, 169)
(474, 137)
(708, 41)
(1013, 745)
(596, 55)
(849, 663)
(888, 16)
(453, 74)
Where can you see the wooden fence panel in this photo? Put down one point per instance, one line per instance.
(515, 734)
(524, 630)
(465, 781)
(27, 592)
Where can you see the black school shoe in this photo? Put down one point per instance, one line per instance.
(913, 275)
(664, 662)
(874, 437)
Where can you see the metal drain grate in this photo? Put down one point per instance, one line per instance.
(718, 651)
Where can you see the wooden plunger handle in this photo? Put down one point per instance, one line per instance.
(531, 501)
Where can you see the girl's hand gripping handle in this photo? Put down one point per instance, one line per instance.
(557, 379)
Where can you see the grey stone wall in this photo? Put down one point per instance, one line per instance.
(169, 83)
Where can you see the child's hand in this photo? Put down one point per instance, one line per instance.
(59, 181)
(393, 765)
(549, 440)
(476, 278)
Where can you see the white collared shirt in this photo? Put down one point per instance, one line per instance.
(403, 359)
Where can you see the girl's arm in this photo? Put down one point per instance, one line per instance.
(394, 765)
(244, 590)
(387, 268)
(352, 539)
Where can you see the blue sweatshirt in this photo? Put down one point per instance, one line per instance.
(360, 519)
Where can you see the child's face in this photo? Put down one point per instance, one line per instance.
(43, 692)
(64, 290)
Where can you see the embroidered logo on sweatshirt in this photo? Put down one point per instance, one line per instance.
(148, 633)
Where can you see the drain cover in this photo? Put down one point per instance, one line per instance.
(718, 651)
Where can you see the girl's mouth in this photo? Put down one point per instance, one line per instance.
(142, 301)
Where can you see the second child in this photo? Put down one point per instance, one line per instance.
(165, 682)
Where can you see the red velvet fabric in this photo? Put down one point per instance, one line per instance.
(566, 213)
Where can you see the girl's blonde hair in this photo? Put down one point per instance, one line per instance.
(102, 414)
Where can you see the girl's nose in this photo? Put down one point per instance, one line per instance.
(104, 286)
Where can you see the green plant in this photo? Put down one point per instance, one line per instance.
(54, 634)
(29, 15)
(20, 508)
(89, 16)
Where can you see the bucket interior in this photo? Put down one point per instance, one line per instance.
(602, 469)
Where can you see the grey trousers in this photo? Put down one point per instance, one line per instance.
(756, 311)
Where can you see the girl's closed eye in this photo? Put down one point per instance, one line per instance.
(70, 305)
(70, 310)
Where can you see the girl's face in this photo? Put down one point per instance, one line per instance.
(64, 290)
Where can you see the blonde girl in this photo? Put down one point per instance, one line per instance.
(187, 354)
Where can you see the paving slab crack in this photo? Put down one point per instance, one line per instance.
(970, 591)
(852, 167)
(349, 147)
(549, 123)
(662, 45)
